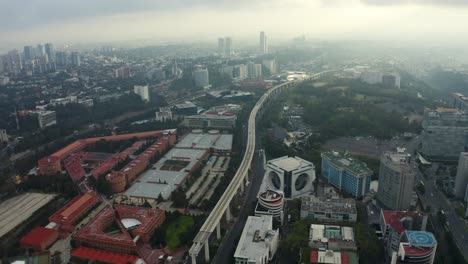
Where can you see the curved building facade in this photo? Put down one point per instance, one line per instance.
(292, 176)
(417, 247)
(270, 203)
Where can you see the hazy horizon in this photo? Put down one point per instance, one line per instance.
(429, 22)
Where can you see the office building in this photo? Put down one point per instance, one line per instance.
(391, 81)
(46, 118)
(394, 223)
(75, 59)
(345, 173)
(221, 46)
(270, 203)
(206, 120)
(14, 62)
(201, 78)
(292, 176)
(331, 237)
(328, 210)
(241, 72)
(28, 53)
(40, 50)
(185, 109)
(254, 70)
(50, 51)
(271, 65)
(227, 70)
(416, 247)
(396, 181)
(3, 135)
(63, 58)
(142, 91)
(444, 134)
(263, 43)
(461, 180)
(174, 67)
(228, 47)
(258, 242)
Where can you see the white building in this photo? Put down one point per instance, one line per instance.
(201, 78)
(3, 135)
(241, 72)
(270, 203)
(164, 114)
(142, 91)
(258, 242)
(291, 175)
(46, 118)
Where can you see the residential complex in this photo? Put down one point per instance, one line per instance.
(46, 118)
(258, 242)
(292, 176)
(444, 134)
(346, 173)
(396, 181)
(328, 210)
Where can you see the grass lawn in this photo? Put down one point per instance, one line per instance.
(175, 229)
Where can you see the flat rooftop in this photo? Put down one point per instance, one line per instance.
(346, 162)
(16, 210)
(255, 236)
(322, 204)
(206, 141)
(290, 163)
(157, 181)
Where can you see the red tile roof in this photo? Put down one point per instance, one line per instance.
(38, 236)
(393, 218)
(102, 256)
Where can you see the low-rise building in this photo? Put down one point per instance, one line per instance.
(328, 210)
(185, 109)
(416, 247)
(46, 118)
(328, 257)
(258, 242)
(270, 203)
(331, 237)
(207, 120)
(164, 114)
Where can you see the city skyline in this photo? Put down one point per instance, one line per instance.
(406, 21)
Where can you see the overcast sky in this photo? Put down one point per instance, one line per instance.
(69, 21)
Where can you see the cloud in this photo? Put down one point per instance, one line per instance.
(416, 2)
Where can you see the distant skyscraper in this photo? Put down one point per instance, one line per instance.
(40, 51)
(174, 67)
(201, 78)
(240, 72)
(220, 46)
(63, 57)
(50, 51)
(14, 63)
(228, 47)
(396, 181)
(263, 43)
(28, 52)
(75, 58)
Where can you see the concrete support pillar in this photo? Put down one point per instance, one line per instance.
(218, 230)
(228, 214)
(207, 252)
(194, 259)
(242, 185)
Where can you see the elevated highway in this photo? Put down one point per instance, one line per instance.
(238, 182)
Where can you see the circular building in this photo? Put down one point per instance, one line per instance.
(270, 203)
(117, 181)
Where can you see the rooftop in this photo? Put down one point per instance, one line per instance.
(396, 219)
(329, 257)
(255, 236)
(290, 163)
(18, 209)
(345, 162)
(157, 180)
(75, 207)
(37, 236)
(206, 141)
(322, 204)
(102, 256)
(185, 105)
